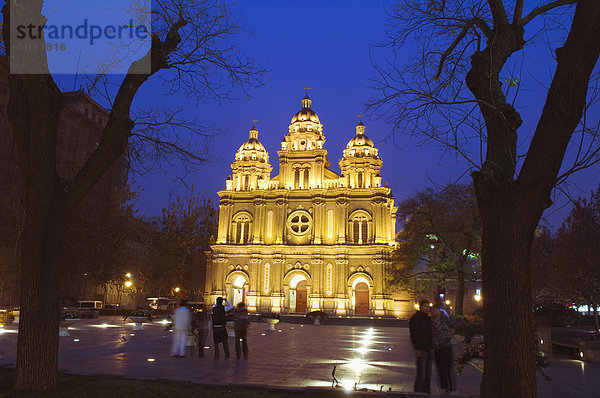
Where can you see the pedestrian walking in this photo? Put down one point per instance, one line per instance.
(442, 347)
(219, 319)
(420, 326)
(200, 327)
(241, 329)
(182, 321)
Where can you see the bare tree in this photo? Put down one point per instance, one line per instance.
(192, 49)
(461, 87)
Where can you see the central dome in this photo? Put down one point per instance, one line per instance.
(306, 113)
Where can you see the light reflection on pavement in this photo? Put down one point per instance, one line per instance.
(376, 358)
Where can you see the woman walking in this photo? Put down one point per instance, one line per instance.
(442, 347)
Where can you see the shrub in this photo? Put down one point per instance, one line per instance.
(478, 312)
(269, 315)
(140, 311)
(553, 308)
(6, 318)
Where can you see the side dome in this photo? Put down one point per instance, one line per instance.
(360, 145)
(360, 139)
(253, 144)
(252, 149)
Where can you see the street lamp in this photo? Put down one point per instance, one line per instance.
(177, 290)
(128, 275)
(477, 298)
(128, 283)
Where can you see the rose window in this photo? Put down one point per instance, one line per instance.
(299, 222)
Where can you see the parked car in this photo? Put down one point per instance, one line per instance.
(97, 305)
(161, 303)
(89, 309)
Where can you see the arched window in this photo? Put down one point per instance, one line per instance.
(297, 179)
(242, 224)
(360, 222)
(360, 180)
(301, 176)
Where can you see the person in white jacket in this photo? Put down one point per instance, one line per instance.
(182, 321)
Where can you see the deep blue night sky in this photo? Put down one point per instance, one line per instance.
(329, 46)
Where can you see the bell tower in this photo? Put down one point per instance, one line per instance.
(251, 168)
(302, 158)
(361, 163)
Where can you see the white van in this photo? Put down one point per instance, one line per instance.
(93, 305)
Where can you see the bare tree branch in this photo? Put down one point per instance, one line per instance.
(545, 8)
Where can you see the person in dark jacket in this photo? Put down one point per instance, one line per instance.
(219, 319)
(420, 327)
(200, 328)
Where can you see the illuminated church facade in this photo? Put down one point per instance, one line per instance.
(308, 238)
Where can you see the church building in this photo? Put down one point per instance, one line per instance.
(308, 238)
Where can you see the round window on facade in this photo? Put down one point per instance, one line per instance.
(299, 222)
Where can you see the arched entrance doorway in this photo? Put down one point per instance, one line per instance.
(297, 289)
(301, 299)
(236, 286)
(361, 297)
(239, 293)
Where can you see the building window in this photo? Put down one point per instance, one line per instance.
(296, 178)
(330, 223)
(270, 224)
(301, 177)
(241, 228)
(305, 182)
(360, 179)
(299, 222)
(359, 223)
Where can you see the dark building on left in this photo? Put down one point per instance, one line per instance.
(79, 132)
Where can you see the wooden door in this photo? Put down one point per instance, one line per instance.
(361, 297)
(301, 298)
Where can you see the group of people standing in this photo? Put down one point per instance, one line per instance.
(431, 338)
(430, 334)
(184, 322)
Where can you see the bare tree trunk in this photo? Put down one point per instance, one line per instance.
(34, 108)
(37, 348)
(508, 233)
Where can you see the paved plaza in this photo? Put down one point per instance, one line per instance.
(296, 355)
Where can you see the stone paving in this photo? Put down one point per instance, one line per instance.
(296, 355)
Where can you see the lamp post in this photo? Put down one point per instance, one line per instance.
(128, 287)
